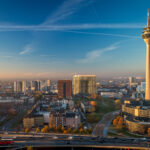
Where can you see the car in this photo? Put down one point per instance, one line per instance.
(143, 139)
(70, 137)
(55, 137)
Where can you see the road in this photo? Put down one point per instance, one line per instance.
(8, 125)
(61, 140)
(101, 127)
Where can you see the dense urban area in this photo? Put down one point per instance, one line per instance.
(68, 106)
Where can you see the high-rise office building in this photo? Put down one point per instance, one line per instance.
(18, 86)
(132, 81)
(48, 82)
(42, 85)
(64, 88)
(35, 85)
(146, 37)
(84, 84)
(25, 86)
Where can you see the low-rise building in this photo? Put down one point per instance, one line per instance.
(72, 119)
(136, 115)
(57, 119)
(86, 107)
(33, 121)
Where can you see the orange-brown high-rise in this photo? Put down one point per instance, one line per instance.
(64, 88)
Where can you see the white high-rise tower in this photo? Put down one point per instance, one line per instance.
(146, 37)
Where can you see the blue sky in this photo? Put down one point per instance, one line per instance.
(58, 38)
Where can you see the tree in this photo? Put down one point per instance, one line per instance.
(62, 129)
(37, 129)
(148, 131)
(59, 128)
(81, 130)
(29, 148)
(118, 104)
(27, 130)
(12, 111)
(117, 101)
(90, 130)
(69, 130)
(46, 128)
(53, 126)
(80, 125)
(115, 122)
(43, 130)
(93, 96)
(65, 131)
(85, 131)
(75, 131)
(118, 117)
(120, 123)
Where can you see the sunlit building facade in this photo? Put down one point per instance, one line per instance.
(84, 84)
(18, 86)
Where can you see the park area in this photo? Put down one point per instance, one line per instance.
(104, 106)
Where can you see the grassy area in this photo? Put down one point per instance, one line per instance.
(113, 134)
(103, 107)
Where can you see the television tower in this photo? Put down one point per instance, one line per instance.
(146, 37)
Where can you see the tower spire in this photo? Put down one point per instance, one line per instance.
(148, 18)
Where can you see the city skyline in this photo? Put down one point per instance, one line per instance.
(59, 39)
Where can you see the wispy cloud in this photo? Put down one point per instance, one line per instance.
(93, 55)
(107, 34)
(66, 9)
(68, 27)
(46, 55)
(28, 49)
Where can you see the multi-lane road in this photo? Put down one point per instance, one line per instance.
(61, 140)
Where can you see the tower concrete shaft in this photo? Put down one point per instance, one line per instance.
(146, 37)
(147, 92)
